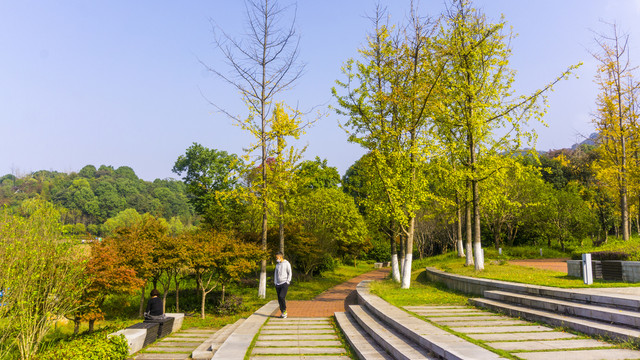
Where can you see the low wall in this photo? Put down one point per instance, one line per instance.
(135, 337)
(630, 270)
(476, 286)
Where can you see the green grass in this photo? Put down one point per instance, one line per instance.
(422, 292)
(499, 269)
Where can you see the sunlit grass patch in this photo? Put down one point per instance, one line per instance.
(421, 292)
(498, 269)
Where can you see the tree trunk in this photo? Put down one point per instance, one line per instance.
(204, 295)
(223, 290)
(395, 271)
(281, 208)
(76, 325)
(402, 257)
(91, 323)
(477, 245)
(469, 258)
(164, 301)
(177, 292)
(262, 286)
(406, 276)
(141, 312)
(460, 243)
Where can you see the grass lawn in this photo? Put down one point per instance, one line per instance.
(422, 292)
(500, 269)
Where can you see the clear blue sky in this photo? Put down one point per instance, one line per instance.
(119, 82)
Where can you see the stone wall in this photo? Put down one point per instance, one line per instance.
(630, 270)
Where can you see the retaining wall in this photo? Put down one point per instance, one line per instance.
(630, 270)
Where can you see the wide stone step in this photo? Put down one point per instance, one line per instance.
(599, 313)
(361, 342)
(390, 340)
(239, 341)
(586, 326)
(428, 336)
(206, 350)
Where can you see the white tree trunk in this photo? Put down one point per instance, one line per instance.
(395, 271)
(406, 275)
(478, 255)
(460, 248)
(262, 287)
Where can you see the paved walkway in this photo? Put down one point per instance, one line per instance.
(520, 338)
(176, 346)
(299, 338)
(333, 300)
(546, 264)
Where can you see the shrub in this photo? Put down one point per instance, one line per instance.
(604, 255)
(95, 346)
(230, 306)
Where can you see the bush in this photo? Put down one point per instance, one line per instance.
(604, 255)
(95, 346)
(230, 306)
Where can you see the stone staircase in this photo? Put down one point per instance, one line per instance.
(378, 330)
(607, 315)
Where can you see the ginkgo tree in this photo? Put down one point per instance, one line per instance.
(480, 107)
(616, 120)
(262, 65)
(390, 99)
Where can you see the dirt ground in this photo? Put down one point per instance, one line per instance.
(548, 264)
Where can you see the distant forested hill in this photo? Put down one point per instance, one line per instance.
(91, 196)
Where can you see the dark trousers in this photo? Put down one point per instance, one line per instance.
(281, 290)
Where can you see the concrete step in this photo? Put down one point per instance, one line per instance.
(239, 341)
(594, 312)
(390, 340)
(207, 349)
(444, 344)
(591, 296)
(586, 326)
(362, 343)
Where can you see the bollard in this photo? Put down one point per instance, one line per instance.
(540, 252)
(587, 273)
(499, 251)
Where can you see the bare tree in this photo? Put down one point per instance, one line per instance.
(262, 64)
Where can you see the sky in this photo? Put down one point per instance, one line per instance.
(122, 83)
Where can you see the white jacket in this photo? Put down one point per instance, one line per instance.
(283, 273)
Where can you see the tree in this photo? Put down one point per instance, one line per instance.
(616, 118)
(333, 219)
(41, 275)
(218, 260)
(136, 246)
(479, 101)
(390, 101)
(316, 174)
(105, 274)
(210, 176)
(286, 123)
(262, 66)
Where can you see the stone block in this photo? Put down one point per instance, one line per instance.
(178, 318)
(135, 338)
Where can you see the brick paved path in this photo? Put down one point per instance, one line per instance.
(547, 264)
(335, 299)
